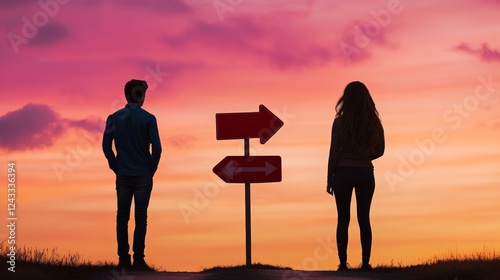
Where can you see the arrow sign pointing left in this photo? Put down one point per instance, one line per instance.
(253, 169)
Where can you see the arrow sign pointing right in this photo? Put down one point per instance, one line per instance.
(254, 169)
(262, 124)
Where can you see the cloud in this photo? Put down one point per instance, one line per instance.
(359, 38)
(494, 2)
(285, 58)
(49, 34)
(12, 3)
(170, 66)
(162, 6)
(244, 36)
(181, 141)
(37, 126)
(231, 35)
(93, 125)
(485, 53)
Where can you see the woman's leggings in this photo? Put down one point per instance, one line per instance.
(360, 179)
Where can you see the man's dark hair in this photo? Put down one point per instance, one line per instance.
(135, 89)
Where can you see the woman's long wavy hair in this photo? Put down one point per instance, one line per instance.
(360, 125)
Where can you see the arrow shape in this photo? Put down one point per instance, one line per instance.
(268, 169)
(263, 125)
(232, 168)
(254, 169)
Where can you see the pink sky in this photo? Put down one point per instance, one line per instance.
(431, 66)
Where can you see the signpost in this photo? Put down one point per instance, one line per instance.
(248, 169)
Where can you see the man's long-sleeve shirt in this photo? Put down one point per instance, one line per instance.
(134, 131)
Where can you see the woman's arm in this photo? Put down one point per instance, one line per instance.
(379, 150)
(333, 158)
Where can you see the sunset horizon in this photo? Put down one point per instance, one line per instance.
(431, 68)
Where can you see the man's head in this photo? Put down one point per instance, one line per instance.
(135, 91)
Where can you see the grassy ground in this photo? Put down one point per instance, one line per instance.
(254, 266)
(34, 263)
(41, 264)
(456, 267)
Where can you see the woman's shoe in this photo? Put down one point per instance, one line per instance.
(343, 267)
(366, 266)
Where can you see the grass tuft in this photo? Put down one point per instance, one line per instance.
(474, 266)
(244, 267)
(452, 266)
(34, 263)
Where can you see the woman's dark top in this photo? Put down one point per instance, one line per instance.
(344, 154)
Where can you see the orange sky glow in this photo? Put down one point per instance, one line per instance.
(432, 68)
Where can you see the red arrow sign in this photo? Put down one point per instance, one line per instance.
(262, 124)
(253, 169)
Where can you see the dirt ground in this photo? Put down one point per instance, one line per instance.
(252, 274)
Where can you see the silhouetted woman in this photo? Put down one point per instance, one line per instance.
(357, 139)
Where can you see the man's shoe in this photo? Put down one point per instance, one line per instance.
(124, 264)
(140, 264)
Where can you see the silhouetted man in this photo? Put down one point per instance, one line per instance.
(133, 130)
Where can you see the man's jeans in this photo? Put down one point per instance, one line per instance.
(139, 188)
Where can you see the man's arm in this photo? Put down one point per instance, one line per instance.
(154, 137)
(107, 144)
